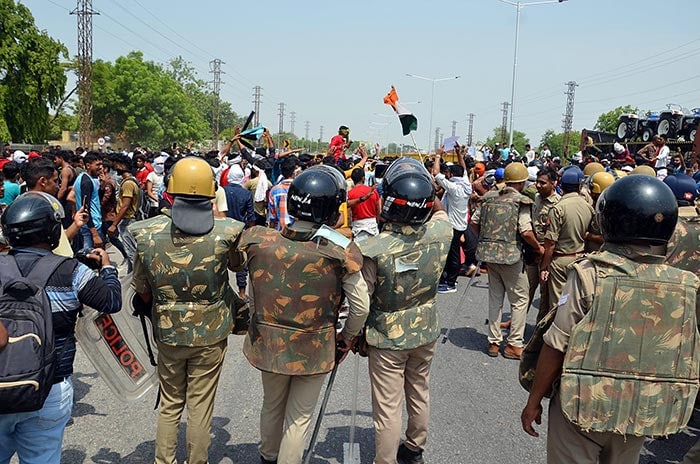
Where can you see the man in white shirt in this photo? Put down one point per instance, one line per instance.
(529, 154)
(661, 159)
(455, 181)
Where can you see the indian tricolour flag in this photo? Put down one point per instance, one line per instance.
(408, 120)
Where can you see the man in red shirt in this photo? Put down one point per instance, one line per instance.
(339, 143)
(365, 204)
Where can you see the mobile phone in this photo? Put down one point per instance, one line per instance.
(84, 201)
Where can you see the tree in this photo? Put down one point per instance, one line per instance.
(519, 139)
(31, 75)
(556, 142)
(607, 122)
(138, 101)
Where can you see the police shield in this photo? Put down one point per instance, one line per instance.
(116, 346)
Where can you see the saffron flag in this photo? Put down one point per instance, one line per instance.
(408, 120)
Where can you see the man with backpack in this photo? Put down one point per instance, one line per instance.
(128, 201)
(37, 364)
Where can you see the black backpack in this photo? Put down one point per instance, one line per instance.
(28, 362)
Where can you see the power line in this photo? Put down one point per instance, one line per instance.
(257, 95)
(470, 133)
(568, 122)
(215, 68)
(84, 12)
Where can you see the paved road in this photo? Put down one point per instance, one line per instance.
(476, 404)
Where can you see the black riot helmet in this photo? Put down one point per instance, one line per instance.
(638, 208)
(31, 219)
(316, 194)
(407, 192)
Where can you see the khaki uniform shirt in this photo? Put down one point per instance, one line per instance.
(540, 214)
(568, 223)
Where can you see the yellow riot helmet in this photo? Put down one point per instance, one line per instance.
(600, 181)
(192, 177)
(592, 168)
(515, 172)
(644, 170)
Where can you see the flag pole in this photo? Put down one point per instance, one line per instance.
(416, 145)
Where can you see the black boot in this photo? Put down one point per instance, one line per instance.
(406, 456)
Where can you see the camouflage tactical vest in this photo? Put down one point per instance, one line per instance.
(192, 298)
(297, 284)
(409, 261)
(632, 363)
(499, 240)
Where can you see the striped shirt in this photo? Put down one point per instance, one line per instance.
(72, 285)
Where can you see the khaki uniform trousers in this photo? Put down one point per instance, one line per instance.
(189, 376)
(533, 279)
(558, 273)
(394, 373)
(289, 402)
(510, 279)
(567, 443)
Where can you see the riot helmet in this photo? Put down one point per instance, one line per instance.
(637, 208)
(31, 219)
(515, 173)
(407, 192)
(316, 194)
(683, 187)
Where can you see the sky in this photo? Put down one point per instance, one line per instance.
(332, 62)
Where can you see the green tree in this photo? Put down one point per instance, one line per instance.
(607, 122)
(138, 101)
(555, 140)
(31, 76)
(519, 139)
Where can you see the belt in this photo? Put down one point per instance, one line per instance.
(563, 255)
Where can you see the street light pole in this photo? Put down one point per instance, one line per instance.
(432, 100)
(518, 8)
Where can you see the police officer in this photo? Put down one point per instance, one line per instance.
(502, 223)
(623, 338)
(402, 268)
(593, 236)
(545, 199)
(299, 277)
(684, 248)
(181, 266)
(564, 241)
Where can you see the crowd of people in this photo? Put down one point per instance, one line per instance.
(372, 241)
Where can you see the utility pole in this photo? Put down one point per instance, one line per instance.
(215, 69)
(504, 125)
(568, 122)
(320, 139)
(471, 129)
(454, 128)
(281, 126)
(292, 120)
(437, 138)
(84, 12)
(257, 94)
(307, 125)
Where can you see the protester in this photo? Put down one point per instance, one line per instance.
(32, 224)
